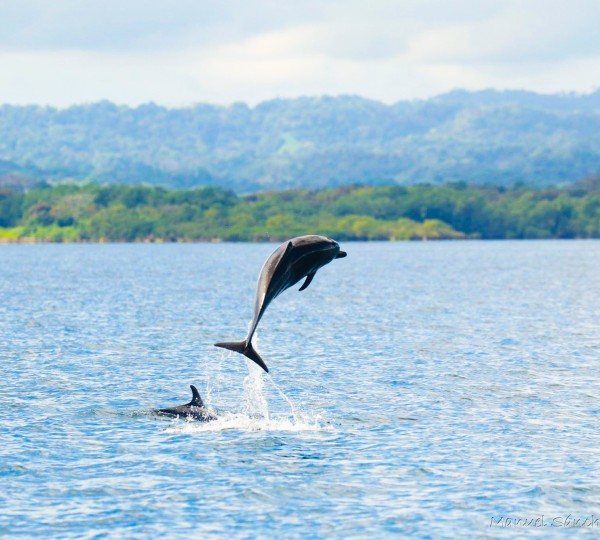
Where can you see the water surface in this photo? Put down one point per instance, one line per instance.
(415, 388)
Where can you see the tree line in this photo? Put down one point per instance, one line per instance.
(125, 213)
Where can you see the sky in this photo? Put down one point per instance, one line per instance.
(181, 52)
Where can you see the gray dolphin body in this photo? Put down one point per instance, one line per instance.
(295, 259)
(194, 409)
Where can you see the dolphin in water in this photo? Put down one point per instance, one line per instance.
(194, 409)
(295, 259)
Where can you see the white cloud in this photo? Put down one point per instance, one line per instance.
(142, 25)
(185, 51)
(534, 30)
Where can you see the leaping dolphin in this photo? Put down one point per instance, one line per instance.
(194, 409)
(295, 259)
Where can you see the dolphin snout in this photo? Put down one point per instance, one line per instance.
(341, 254)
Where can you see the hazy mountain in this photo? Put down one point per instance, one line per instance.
(487, 136)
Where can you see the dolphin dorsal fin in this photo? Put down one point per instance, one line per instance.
(288, 248)
(196, 399)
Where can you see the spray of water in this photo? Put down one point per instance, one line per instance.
(255, 414)
(285, 398)
(255, 401)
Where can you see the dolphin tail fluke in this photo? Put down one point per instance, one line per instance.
(246, 349)
(236, 346)
(251, 353)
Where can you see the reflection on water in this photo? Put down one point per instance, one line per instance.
(415, 389)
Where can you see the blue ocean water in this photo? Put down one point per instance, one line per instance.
(438, 390)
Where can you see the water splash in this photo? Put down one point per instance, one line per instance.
(243, 422)
(285, 398)
(255, 401)
(255, 412)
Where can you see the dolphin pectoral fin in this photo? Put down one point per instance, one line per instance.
(246, 349)
(196, 399)
(341, 255)
(309, 278)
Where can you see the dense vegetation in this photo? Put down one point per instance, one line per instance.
(140, 213)
(482, 137)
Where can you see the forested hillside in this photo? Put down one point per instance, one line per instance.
(71, 213)
(483, 137)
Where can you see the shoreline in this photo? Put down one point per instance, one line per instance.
(31, 242)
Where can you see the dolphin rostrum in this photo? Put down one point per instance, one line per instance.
(295, 259)
(194, 409)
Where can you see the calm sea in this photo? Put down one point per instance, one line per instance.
(441, 390)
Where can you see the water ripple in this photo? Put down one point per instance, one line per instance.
(415, 389)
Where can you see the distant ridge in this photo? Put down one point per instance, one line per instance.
(489, 136)
(556, 102)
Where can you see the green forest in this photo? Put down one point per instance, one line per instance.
(311, 142)
(123, 213)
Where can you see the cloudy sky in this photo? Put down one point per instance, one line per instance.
(181, 52)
